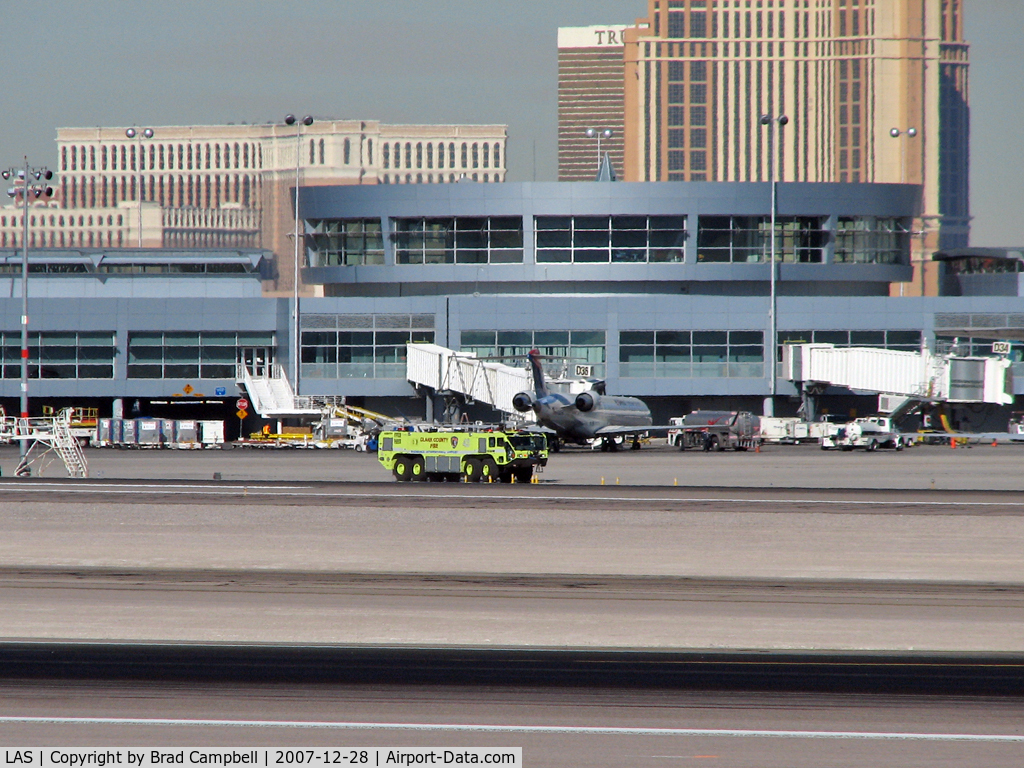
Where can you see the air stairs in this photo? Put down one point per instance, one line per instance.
(47, 438)
(271, 394)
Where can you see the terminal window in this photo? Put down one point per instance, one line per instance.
(800, 239)
(459, 240)
(360, 346)
(191, 354)
(564, 347)
(610, 239)
(346, 242)
(906, 341)
(61, 354)
(872, 240)
(691, 354)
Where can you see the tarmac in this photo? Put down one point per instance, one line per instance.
(924, 467)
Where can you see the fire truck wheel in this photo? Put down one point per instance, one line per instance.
(403, 468)
(473, 470)
(524, 475)
(418, 469)
(488, 469)
(715, 444)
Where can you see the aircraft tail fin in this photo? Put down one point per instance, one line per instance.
(538, 373)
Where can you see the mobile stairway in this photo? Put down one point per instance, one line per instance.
(48, 438)
(271, 394)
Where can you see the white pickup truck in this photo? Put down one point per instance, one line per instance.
(869, 433)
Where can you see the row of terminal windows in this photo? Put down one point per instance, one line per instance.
(566, 347)
(60, 354)
(801, 239)
(905, 341)
(590, 239)
(671, 353)
(463, 240)
(133, 156)
(610, 239)
(691, 354)
(426, 154)
(191, 354)
(355, 346)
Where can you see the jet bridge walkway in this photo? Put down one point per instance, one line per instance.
(444, 370)
(900, 378)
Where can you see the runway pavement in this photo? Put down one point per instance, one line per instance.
(451, 564)
(556, 726)
(799, 552)
(979, 467)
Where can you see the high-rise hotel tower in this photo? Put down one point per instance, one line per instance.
(589, 96)
(875, 91)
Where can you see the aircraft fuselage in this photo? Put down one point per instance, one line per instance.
(559, 413)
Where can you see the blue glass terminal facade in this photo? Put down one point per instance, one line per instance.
(662, 287)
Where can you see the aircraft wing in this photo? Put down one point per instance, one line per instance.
(538, 428)
(609, 431)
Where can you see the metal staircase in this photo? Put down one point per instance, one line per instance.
(271, 394)
(47, 438)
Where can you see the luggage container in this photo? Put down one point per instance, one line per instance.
(168, 431)
(186, 433)
(211, 432)
(129, 432)
(148, 432)
(104, 432)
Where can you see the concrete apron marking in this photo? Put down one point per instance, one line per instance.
(300, 490)
(482, 728)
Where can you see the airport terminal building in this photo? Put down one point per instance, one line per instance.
(664, 288)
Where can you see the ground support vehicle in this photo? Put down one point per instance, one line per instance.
(83, 421)
(469, 456)
(790, 430)
(868, 433)
(715, 431)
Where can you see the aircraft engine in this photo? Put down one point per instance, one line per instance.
(586, 401)
(523, 402)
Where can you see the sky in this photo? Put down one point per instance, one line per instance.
(186, 62)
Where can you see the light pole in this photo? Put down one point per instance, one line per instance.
(909, 133)
(307, 121)
(131, 133)
(774, 124)
(26, 175)
(594, 133)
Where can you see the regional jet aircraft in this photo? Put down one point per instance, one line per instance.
(592, 414)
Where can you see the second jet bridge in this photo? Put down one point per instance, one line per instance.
(912, 376)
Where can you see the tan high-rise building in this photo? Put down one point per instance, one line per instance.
(229, 186)
(590, 96)
(874, 90)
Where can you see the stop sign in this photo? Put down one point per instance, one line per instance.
(242, 404)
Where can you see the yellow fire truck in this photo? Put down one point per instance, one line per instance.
(473, 456)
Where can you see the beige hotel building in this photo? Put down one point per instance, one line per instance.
(229, 186)
(698, 74)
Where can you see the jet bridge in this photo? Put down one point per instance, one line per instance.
(447, 372)
(900, 378)
(444, 370)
